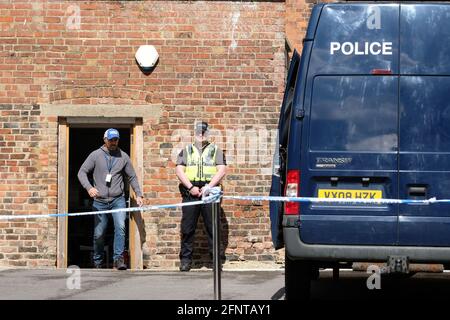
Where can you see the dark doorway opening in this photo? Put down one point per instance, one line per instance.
(82, 141)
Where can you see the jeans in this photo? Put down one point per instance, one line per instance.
(101, 224)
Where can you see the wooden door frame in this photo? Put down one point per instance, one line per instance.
(136, 228)
(63, 192)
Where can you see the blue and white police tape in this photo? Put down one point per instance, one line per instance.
(212, 197)
(337, 200)
(214, 193)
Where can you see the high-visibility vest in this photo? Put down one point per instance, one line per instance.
(201, 167)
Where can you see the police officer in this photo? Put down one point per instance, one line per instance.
(200, 165)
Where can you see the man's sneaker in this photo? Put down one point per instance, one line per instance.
(119, 264)
(185, 266)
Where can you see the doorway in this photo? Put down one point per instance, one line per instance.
(82, 141)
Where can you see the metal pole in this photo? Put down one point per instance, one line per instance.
(216, 249)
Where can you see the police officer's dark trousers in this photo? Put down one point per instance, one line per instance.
(189, 223)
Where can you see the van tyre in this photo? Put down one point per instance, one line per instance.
(297, 279)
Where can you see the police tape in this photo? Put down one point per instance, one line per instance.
(215, 195)
(337, 200)
(209, 199)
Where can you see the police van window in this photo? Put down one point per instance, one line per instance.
(424, 114)
(355, 39)
(286, 118)
(425, 39)
(354, 113)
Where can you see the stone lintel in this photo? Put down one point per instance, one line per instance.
(107, 111)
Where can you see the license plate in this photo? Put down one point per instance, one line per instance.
(350, 194)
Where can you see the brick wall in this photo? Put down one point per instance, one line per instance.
(28, 165)
(297, 17)
(222, 62)
(224, 65)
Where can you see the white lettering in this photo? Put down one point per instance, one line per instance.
(374, 280)
(350, 47)
(186, 310)
(74, 281)
(387, 48)
(244, 309)
(374, 18)
(334, 46)
(373, 51)
(253, 310)
(356, 48)
(74, 20)
(357, 52)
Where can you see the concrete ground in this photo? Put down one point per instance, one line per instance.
(89, 284)
(106, 284)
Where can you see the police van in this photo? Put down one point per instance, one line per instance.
(365, 115)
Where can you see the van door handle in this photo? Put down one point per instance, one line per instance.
(417, 191)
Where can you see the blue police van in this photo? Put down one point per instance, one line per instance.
(365, 114)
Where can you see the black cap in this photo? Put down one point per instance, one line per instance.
(201, 127)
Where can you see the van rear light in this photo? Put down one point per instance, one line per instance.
(381, 71)
(292, 190)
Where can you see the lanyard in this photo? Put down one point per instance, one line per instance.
(110, 163)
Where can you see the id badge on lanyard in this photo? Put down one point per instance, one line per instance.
(110, 165)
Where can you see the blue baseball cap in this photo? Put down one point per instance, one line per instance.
(111, 134)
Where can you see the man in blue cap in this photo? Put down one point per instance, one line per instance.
(109, 164)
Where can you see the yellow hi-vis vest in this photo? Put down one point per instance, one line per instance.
(201, 168)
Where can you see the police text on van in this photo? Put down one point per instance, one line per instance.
(366, 48)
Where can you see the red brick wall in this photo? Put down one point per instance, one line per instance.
(28, 165)
(297, 17)
(222, 62)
